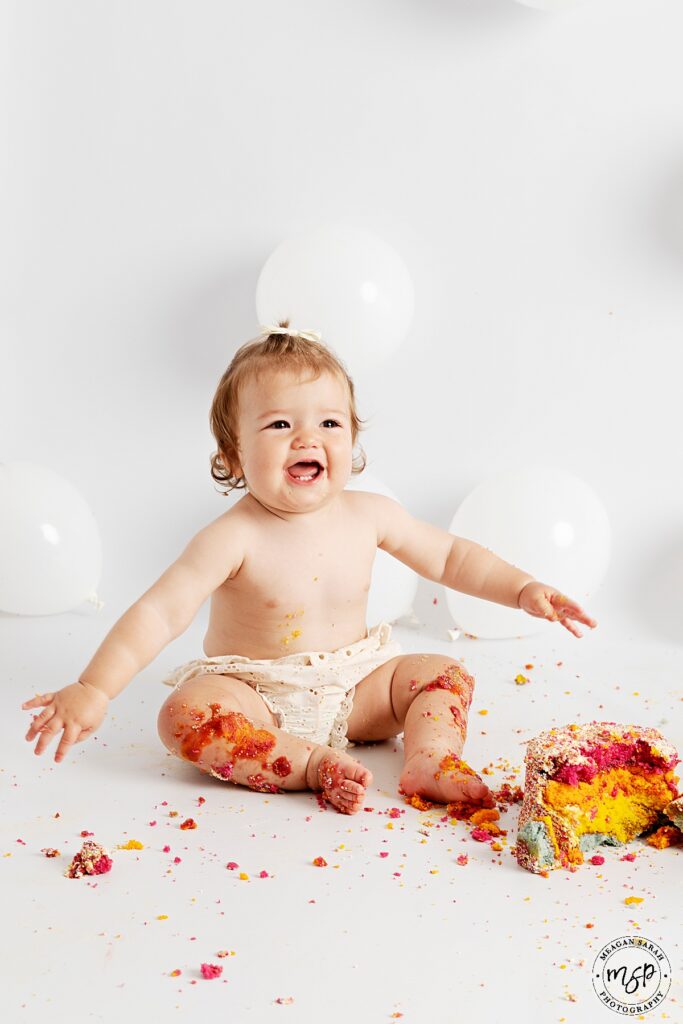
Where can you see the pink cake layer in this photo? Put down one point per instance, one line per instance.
(577, 754)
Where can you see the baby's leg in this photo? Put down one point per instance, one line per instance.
(428, 697)
(225, 728)
(435, 700)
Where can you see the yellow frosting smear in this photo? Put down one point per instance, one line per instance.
(591, 807)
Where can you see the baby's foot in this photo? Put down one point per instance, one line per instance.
(341, 779)
(443, 779)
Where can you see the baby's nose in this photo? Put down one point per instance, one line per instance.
(307, 440)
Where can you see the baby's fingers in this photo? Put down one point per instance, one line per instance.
(568, 624)
(47, 734)
(576, 613)
(39, 701)
(565, 607)
(546, 610)
(69, 737)
(39, 722)
(581, 616)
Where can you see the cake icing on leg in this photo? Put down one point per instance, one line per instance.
(435, 702)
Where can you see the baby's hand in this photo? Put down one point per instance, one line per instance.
(76, 709)
(547, 603)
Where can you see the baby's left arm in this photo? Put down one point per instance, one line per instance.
(468, 567)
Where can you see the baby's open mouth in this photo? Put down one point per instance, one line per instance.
(305, 472)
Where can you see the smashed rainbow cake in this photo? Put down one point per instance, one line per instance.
(591, 784)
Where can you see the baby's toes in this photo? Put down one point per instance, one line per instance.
(478, 793)
(353, 792)
(358, 773)
(352, 788)
(351, 797)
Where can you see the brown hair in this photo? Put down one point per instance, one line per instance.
(279, 353)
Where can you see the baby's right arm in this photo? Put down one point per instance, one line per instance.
(159, 616)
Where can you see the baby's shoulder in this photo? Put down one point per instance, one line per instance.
(359, 503)
(242, 516)
(367, 506)
(359, 499)
(369, 502)
(234, 527)
(386, 514)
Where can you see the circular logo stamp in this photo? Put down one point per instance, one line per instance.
(631, 975)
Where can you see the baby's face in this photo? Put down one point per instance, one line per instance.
(285, 419)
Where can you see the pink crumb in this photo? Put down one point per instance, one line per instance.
(211, 971)
(597, 859)
(91, 859)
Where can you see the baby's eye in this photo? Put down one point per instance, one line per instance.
(276, 423)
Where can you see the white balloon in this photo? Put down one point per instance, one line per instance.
(393, 585)
(344, 282)
(50, 551)
(548, 523)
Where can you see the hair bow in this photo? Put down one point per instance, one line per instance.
(307, 335)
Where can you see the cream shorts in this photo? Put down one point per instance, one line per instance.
(310, 693)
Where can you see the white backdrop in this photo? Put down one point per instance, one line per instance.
(528, 167)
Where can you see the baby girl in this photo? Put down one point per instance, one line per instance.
(291, 673)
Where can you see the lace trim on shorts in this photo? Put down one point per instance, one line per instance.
(341, 723)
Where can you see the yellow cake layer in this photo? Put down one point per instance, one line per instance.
(590, 807)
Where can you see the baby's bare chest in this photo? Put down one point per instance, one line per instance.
(297, 592)
(329, 567)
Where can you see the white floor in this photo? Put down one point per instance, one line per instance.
(411, 936)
